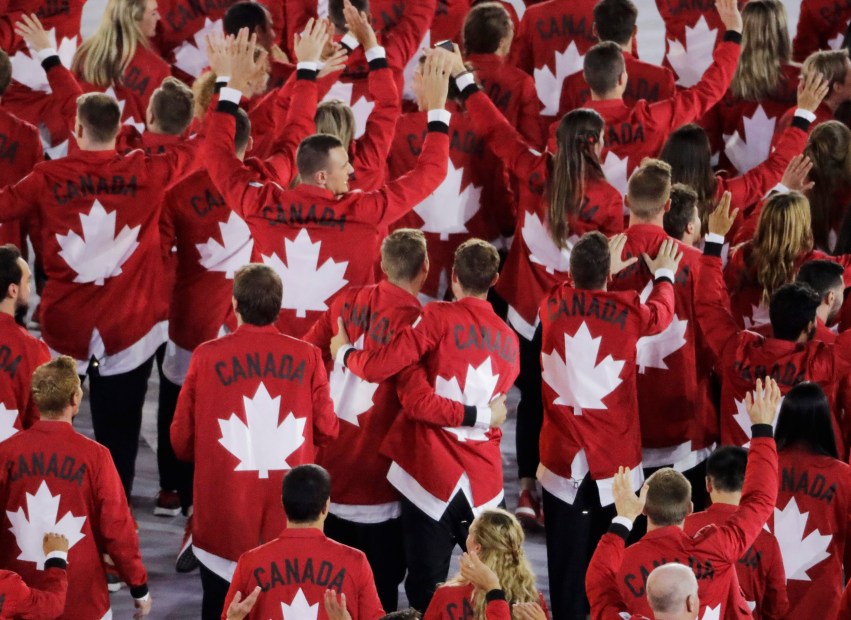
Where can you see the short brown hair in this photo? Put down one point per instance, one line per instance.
(590, 261)
(602, 67)
(172, 106)
(100, 115)
(832, 65)
(681, 213)
(649, 188)
(258, 292)
(312, 154)
(486, 25)
(5, 71)
(54, 385)
(476, 265)
(403, 253)
(668, 497)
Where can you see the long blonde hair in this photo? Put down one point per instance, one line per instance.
(337, 119)
(501, 537)
(829, 148)
(765, 51)
(103, 58)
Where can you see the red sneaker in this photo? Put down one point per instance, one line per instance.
(186, 560)
(528, 511)
(168, 504)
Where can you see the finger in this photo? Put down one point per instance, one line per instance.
(630, 261)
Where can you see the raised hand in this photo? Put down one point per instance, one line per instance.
(310, 43)
(436, 80)
(336, 609)
(762, 404)
(528, 611)
(143, 607)
(217, 53)
(238, 608)
(246, 59)
(498, 411)
(334, 62)
(476, 572)
(795, 177)
(340, 339)
(617, 262)
(31, 31)
(359, 26)
(54, 542)
(721, 220)
(668, 257)
(728, 11)
(812, 89)
(626, 502)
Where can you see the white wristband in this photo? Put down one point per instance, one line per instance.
(46, 53)
(222, 79)
(483, 417)
(374, 53)
(622, 521)
(805, 114)
(714, 238)
(310, 65)
(443, 116)
(143, 599)
(350, 41)
(464, 80)
(62, 555)
(230, 94)
(341, 354)
(664, 272)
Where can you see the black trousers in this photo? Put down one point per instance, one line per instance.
(573, 532)
(175, 475)
(429, 545)
(117, 402)
(530, 409)
(383, 545)
(215, 592)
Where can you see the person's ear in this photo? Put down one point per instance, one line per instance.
(691, 603)
(668, 205)
(250, 144)
(594, 31)
(708, 484)
(690, 508)
(234, 304)
(690, 228)
(493, 282)
(830, 298)
(12, 291)
(321, 178)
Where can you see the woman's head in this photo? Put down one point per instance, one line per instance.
(829, 149)
(805, 420)
(765, 50)
(488, 29)
(337, 119)
(689, 154)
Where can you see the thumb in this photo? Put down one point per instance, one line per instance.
(341, 329)
(647, 259)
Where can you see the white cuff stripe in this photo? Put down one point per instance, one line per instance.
(444, 116)
(230, 94)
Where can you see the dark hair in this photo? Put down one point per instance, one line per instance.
(476, 265)
(100, 115)
(305, 491)
(312, 154)
(335, 12)
(590, 261)
(805, 419)
(173, 106)
(5, 71)
(726, 468)
(403, 614)
(242, 132)
(791, 309)
(246, 14)
(602, 67)
(680, 215)
(403, 253)
(688, 152)
(821, 275)
(615, 20)
(258, 292)
(486, 25)
(10, 270)
(668, 497)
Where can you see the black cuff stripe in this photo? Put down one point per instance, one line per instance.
(346, 356)
(228, 107)
(438, 126)
(469, 416)
(218, 86)
(710, 248)
(139, 591)
(762, 430)
(495, 595)
(663, 279)
(801, 123)
(56, 563)
(306, 74)
(51, 61)
(378, 63)
(619, 529)
(469, 90)
(733, 37)
(348, 49)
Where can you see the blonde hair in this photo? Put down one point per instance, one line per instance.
(649, 188)
(829, 148)
(103, 58)
(830, 63)
(337, 119)
(765, 51)
(203, 89)
(54, 385)
(501, 537)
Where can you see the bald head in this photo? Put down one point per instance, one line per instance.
(672, 592)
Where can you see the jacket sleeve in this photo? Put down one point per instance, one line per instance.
(298, 125)
(182, 431)
(775, 601)
(496, 606)
(658, 312)
(325, 423)
(373, 147)
(17, 201)
(322, 331)
(369, 606)
(65, 89)
(421, 403)
(403, 41)
(28, 603)
(601, 584)
(712, 303)
(238, 584)
(176, 162)
(521, 55)
(529, 123)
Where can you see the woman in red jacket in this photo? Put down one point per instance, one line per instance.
(829, 150)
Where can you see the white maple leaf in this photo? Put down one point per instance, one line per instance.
(130, 120)
(57, 152)
(712, 613)
(542, 248)
(651, 351)
(306, 284)
(7, 422)
(479, 386)
(300, 609)
(260, 443)
(191, 56)
(43, 512)
(233, 252)
(581, 384)
(744, 420)
(360, 108)
(691, 61)
(800, 553)
(411, 67)
(100, 252)
(519, 7)
(751, 150)
(615, 169)
(322, 8)
(448, 209)
(836, 42)
(548, 84)
(759, 316)
(26, 67)
(352, 395)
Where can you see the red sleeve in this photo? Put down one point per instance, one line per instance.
(373, 147)
(842, 356)
(182, 431)
(497, 609)
(65, 89)
(31, 604)
(298, 125)
(601, 584)
(421, 403)
(712, 307)
(369, 606)
(176, 162)
(238, 584)
(529, 123)
(325, 423)
(322, 331)
(521, 47)
(16, 201)
(658, 312)
(806, 39)
(775, 601)
(403, 41)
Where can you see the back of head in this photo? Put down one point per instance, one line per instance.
(649, 189)
(5, 72)
(10, 268)
(403, 253)
(100, 116)
(476, 266)
(54, 386)
(681, 214)
(615, 20)
(403, 614)
(765, 50)
(602, 67)
(829, 149)
(335, 118)
(246, 14)
(805, 420)
(102, 58)
(668, 498)
(689, 154)
(822, 276)
(590, 261)
(173, 106)
(791, 309)
(726, 468)
(335, 12)
(313, 152)
(832, 64)
(486, 25)
(305, 493)
(258, 291)
(668, 588)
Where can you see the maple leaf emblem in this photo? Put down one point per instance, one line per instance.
(447, 209)
(413, 64)
(7, 422)
(99, 253)
(130, 120)
(360, 108)
(690, 61)
(744, 420)
(651, 351)
(479, 386)
(27, 69)
(233, 252)
(759, 316)
(306, 284)
(300, 609)
(615, 169)
(518, 5)
(548, 84)
(42, 510)
(542, 248)
(260, 443)
(751, 150)
(582, 384)
(352, 395)
(57, 152)
(712, 613)
(836, 42)
(800, 553)
(191, 56)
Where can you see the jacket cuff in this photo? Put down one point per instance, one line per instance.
(495, 595)
(466, 84)
(51, 61)
(228, 107)
(375, 53)
(438, 120)
(54, 561)
(140, 592)
(221, 82)
(230, 94)
(306, 71)
(469, 415)
(663, 274)
(711, 248)
(732, 36)
(619, 530)
(800, 121)
(762, 430)
(343, 353)
(350, 42)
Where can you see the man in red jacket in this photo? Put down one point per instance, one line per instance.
(295, 570)
(682, 220)
(18, 600)
(53, 479)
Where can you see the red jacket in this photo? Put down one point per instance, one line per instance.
(20, 355)
(589, 383)
(447, 22)
(811, 524)
(20, 151)
(372, 316)
(254, 405)
(181, 30)
(760, 569)
(601, 583)
(18, 600)
(293, 572)
(821, 26)
(452, 601)
(713, 552)
(53, 472)
(823, 114)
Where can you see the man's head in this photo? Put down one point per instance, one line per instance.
(251, 15)
(725, 472)
(56, 390)
(5, 72)
(648, 193)
(171, 108)
(826, 278)
(668, 498)
(682, 220)
(835, 67)
(335, 13)
(404, 257)
(15, 278)
(323, 162)
(614, 20)
(605, 70)
(488, 29)
(590, 262)
(792, 311)
(306, 494)
(475, 270)
(98, 121)
(672, 592)
(257, 294)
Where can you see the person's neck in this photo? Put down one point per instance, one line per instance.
(408, 287)
(609, 96)
(627, 47)
(726, 497)
(319, 524)
(97, 146)
(652, 526)
(833, 101)
(66, 416)
(822, 313)
(8, 307)
(466, 295)
(653, 221)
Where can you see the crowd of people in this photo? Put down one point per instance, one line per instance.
(344, 230)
